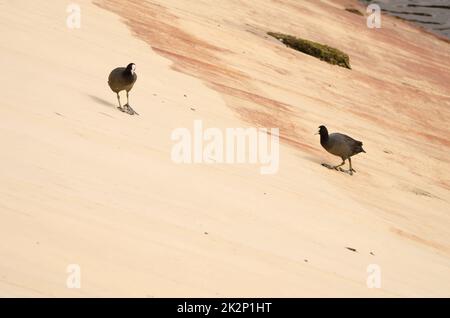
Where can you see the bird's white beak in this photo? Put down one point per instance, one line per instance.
(316, 133)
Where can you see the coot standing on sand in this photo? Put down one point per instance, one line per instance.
(123, 79)
(339, 145)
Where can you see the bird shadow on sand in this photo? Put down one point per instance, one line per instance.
(323, 162)
(102, 101)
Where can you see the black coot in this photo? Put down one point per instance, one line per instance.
(339, 145)
(123, 79)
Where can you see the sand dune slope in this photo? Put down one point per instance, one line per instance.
(82, 183)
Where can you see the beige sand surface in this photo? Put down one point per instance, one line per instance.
(82, 183)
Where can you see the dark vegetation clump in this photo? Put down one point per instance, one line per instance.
(321, 51)
(355, 11)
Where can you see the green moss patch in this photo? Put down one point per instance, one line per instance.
(321, 51)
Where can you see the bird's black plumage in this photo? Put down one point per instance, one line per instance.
(122, 78)
(340, 145)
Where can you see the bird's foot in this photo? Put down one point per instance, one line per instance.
(337, 168)
(130, 110)
(350, 171)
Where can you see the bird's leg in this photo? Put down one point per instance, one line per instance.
(130, 110)
(118, 99)
(128, 107)
(333, 167)
(336, 167)
(350, 170)
(350, 163)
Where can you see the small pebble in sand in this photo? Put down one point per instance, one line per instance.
(351, 249)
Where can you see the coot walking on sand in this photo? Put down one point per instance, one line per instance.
(123, 79)
(339, 145)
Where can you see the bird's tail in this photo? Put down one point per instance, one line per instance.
(359, 145)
